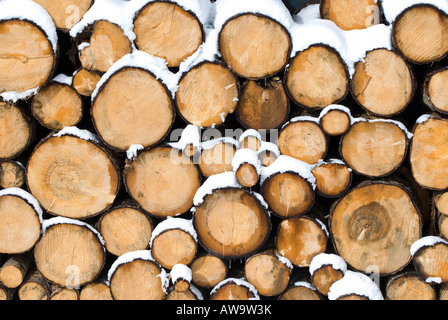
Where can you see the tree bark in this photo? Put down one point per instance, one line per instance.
(14, 270)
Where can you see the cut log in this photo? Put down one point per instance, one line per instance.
(166, 30)
(428, 152)
(34, 287)
(132, 106)
(217, 155)
(57, 105)
(383, 84)
(125, 228)
(208, 270)
(6, 293)
(190, 294)
(95, 291)
(355, 286)
(300, 290)
(12, 174)
(300, 239)
(85, 81)
(375, 224)
(66, 13)
(136, 276)
(231, 223)
(435, 88)
(268, 272)
(430, 259)
(420, 33)
(234, 289)
(67, 294)
(440, 203)
(20, 221)
(317, 77)
(350, 15)
(247, 167)
(181, 277)
(207, 93)
(107, 43)
(374, 148)
(70, 254)
(14, 270)
(303, 139)
(335, 120)
(72, 175)
(333, 178)
(409, 286)
(173, 242)
(268, 153)
(17, 130)
(152, 180)
(263, 105)
(261, 51)
(325, 269)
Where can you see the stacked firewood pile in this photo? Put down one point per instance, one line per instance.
(216, 150)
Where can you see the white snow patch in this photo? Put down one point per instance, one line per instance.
(172, 223)
(28, 197)
(239, 282)
(191, 135)
(215, 182)
(327, 259)
(268, 147)
(250, 133)
(427, 241)
(64, 79)
(80, 133)
(310, 12)
(399, 124)
(13, 96)
(181, 272)
(248, 156)
(355, 283)
(210, 144)
(261, 199)
(133, 150)
(285, 261)
(304, 284)
(423, 118)
(393, 8)
(337, 107)
(83, 45)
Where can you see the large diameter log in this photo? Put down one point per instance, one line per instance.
(132, 107)
(254, 46)
(207, 93)
(420, 33)
(71, 253)
(374, 148)
(71, 176)
(152, 180)
(383, 84)
(231, 223)
(435, 88)
(317, 77)
(375, 224)
(166, 30)
(350, 15)
(16, 130)
(409, 286)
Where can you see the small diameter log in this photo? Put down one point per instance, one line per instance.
(67, 294)
(20, 221)
(181, 277)
(174, 241)
(95, 291)
(192, 294)
(132, 107)
(374, 148)
(12, 174)
(268, 272)
(57, 105)
(70, 254)
(105, 43)
(430, 259)
(251, 139)
(383, 83)
(34, 287)
(14, 270)
(300, 290)
(420, 33)
(125, 228)
(17, 130)
(300, 239)
(268, 153)
(435, 90)
(375, 224)
(6, 293)
(428, 153)
(287, 187)
(136, 276)
(66, 13)
(217, 155)
(247, 167)
(355, 286)
(254, 46)
(234, 289)
(325, 269)
(231, 222)
(350, 15)
(152, 180)
(302, 138)
(85, 81)
(208, 270)
(335, 120)
(409, 286)
(73, 175)
(166, 30)
(333, 178)
(263, 105)
(317, 77)
(207, 93)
